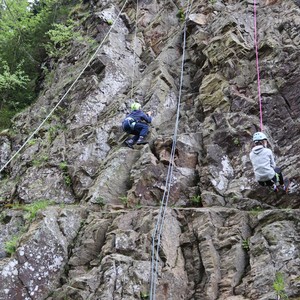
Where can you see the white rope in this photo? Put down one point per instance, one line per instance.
(67, 92)
(164, 203)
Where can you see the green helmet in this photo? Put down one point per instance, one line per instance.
(135, 106)
(259, 136)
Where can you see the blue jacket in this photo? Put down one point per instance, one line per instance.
(140, 116)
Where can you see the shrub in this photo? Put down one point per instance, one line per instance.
(60, 37)
(11, 83)
(100, 201)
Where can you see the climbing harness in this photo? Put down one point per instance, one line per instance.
(257, 64)
(67, 92)
(156, 236)
(128, 124)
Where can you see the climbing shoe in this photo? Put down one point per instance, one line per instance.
(129, 144)
(286, 185)
(141, 141)
(275, 188)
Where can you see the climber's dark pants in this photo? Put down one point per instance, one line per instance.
(278, 177)
(140, 129)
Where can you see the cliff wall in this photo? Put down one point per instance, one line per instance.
(224, 236)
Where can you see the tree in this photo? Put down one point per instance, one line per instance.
(23, 28)
(10, 82)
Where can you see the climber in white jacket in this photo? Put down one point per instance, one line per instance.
(262, 159)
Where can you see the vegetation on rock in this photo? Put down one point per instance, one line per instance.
(27, 31)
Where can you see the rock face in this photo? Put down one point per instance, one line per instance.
(224, 236)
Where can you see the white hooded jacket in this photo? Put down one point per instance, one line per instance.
(263, 163)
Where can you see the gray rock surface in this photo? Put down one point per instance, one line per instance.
(224, 236)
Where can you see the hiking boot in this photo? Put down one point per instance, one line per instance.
(141, 141)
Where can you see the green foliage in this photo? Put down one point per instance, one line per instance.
(196, 200)
(23, 36)
(53, 131)
(10, 246)
(110, 22)
(13, 84)
(245, 244)
(60, 37)
(49, 75)
(68, 179)
(236, 141)
(5, 118)
(31, 142)
(100, 201)
(34, 207)
(40, 160)
(256, 210)
(31, 211)
(144, 295)
(278, 286)
(124, 200)
(10, 81)
(62, 205)
(64, 167)
(180, 15)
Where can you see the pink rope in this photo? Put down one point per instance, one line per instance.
(257, 67)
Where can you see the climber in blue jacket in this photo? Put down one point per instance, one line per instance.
(136, 123)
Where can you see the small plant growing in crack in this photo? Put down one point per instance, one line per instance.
(196, 200)
(256, 210)
(63, 166)
(144, 295)
(124, 200)
(180, 15)
(278, 286)
(100, 201)
(236, 141)
(246, 245)
(10, 246)
(138, 205)
(34, 207)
